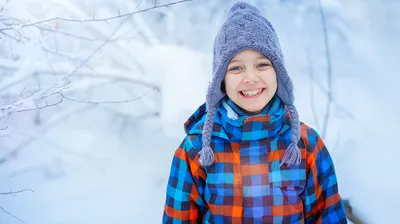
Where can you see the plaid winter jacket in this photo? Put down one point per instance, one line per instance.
(246, 183)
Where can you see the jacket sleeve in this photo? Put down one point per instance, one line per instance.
(321, 198)
(184, 202)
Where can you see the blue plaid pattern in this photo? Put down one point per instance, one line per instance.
(246, 184)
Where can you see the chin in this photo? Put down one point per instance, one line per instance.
(253, 109)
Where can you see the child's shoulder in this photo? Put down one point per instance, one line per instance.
(308, 130)
(310, 137)
(192, 143)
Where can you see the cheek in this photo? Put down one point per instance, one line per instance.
(231, 83)
(270, 79)
(231, 88)
(273, 82)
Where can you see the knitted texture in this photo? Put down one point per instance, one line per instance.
(246, 28)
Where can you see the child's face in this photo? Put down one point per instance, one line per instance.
(250, 80)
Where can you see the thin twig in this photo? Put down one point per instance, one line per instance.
(95, 20)
(16, 192)
(115, 31)
(42, 107)
(140, 2)
(10, 18)
(60, 54)
(120, 79)
(8, 35)
(106, 102)
(80, 37)
(52, 124)
(8, 213)
(18, 105)
(95, 51)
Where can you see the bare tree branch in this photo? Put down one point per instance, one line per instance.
(15, 151)
(52, 124)
(119, 78)
(106, 102)
(81, 37)
(106, 41)
(311, 75)
(7, 25)
(349, 211)
(137, 6)
(8, 35)
(8, 213)
(27, 24)
(338, 104)
(2, 8)
(60, 54)
(42, 107)
(42, 95)
(13, 193)
(334, 101)
(329, 69)
(21, 104)
(111, 76)
(10, 19)
(66, 78)
(8, 68)
(56, 122)
(94, 52)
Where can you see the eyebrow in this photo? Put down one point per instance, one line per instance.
(259, 57)
(262, 57)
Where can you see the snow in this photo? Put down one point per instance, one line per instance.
(109, 163)
(182, 82)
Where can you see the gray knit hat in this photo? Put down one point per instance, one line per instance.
(246, 28)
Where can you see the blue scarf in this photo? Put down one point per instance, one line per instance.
(228, 109)
(243, 126)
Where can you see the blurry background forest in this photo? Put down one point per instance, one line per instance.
(94, 94)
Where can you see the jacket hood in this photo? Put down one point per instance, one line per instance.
(194, 125)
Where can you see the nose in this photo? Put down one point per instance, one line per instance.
(250, 77)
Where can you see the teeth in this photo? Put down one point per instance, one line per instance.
(251, 93)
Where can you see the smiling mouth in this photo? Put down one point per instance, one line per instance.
(252, 93)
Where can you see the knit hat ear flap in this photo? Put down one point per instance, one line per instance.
(206, 153)
(292, 154)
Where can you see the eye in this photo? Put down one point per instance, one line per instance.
(263, 65)
(235, 68)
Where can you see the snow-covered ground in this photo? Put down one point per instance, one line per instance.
(109, 163)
